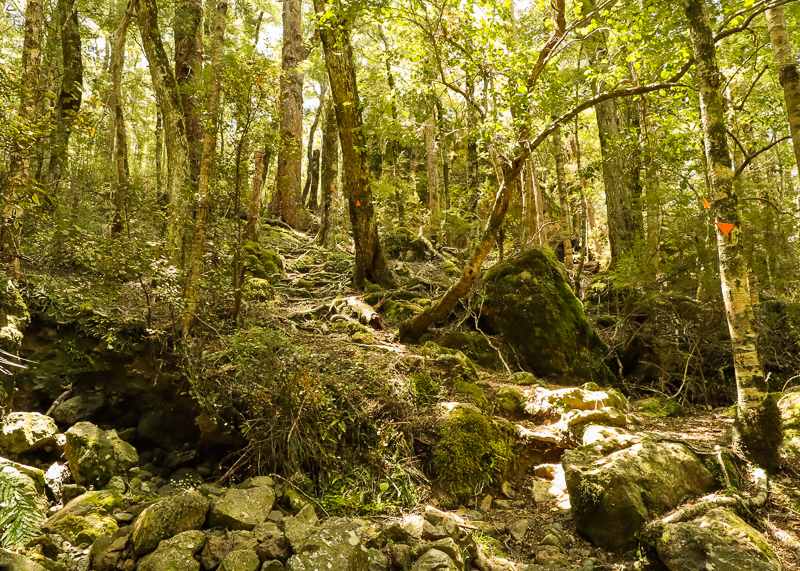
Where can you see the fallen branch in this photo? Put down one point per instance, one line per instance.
(366, 314)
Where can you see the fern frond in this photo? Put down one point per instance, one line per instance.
(21, 510)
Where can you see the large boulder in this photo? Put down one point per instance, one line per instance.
(719, 540)
(336, 545)
(80, 407)
(175, 554)
(241, 560)
(26, 431)
(166, 518)
(14, 562)
(532, 306)
(87, 517)
(242, 509)
(619, 480)
(95, 456)
(789, 405)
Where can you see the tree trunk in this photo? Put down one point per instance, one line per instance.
(188, 31)
(539, 198)
(787, 72)
(473, 184)
(431, 155)
(566, 218)
(251, 230)
(17, 178)
(120, 137)
(330, 171)
(180, 185)
(757, 417)
(206, 171)
(70, 94)
(310, 198)
(314, 176)
(287, 203)
(370, 261)
(530, 227)
(159, 152)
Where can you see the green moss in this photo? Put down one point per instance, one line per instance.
(660, 408)
(425, 388)
(258, 289)
(373, 298)
(450, 269)
(263, 263)
(374, 288)
(472, 452)
(475, 346)
(399, 310)
(80, 530)
(510, 402)
(473, 392)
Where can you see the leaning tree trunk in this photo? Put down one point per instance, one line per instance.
(787, 72)
(561, 183)
(188, 31)
(310, 198)
(70, 94)
(120, 137)
(757, 417)
(287, 202)
(370, 261)
(180, 185)
(203, 203)
(330, 170)
(17, 178)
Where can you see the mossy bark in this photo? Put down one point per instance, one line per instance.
(787, 72)
(121, 169)
(758, 420)
(188, 30)
(330, 171)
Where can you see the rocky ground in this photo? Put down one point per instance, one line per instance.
(523, 472)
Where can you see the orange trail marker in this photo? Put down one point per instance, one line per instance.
(706, 204)
(725, 227)
(358, 203)
(331, 189)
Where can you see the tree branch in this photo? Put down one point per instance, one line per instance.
(750, 158)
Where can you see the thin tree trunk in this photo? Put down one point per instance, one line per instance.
(120, 137)
(17, 178)
(288, 202)
(529, 227)
(310, 198)
(757, 417)
(70, 94)
(370, 261)
(314, 175)
(473, 184)
(206, 171)
(566, 218)
(159, 152)
(251, 230)
(539, 198)
(330, 171)
(787, 72)
(431, 154)
(180, 185)
(188, 31)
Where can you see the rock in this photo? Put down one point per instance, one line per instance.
(618, 480)
(335, 545)
(719, 540)
(530, 303)
(167, 518)
(440, 525)
(293, 501)
(588, 397)
(56, 477)
(508, 490)
(241, 560)
(395, 532)
(242, 509)
(446, 546)
(86, 517)
(71, 491)
(413, 525)
(215, 549)
(298, 528)
(401, 556)
(377, 560)
(550, 539)
(502, 505)
(475, 346)
(524, 379)
(659, 408)
(434, 560)
(272, 566)
(510, 401)
(81, 407)
(789, 406)
(473, 515)
(26, 431)
(13, 562)
(551, 555)
(159, 427)
(519, 528)
(95, 455)
(175, 554)
(242, 540)
(486, 503)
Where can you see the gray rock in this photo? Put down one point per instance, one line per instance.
(81, 407)
(175, 554)
(167, 518)
(26, 431)
(519, 528)
(401, 556)
(439, 525)
(86, 517)
(14, 562)
(413, 525)
(473, 515)
(275, 515)
(541, 492)
(300, 527)
(446, 546)
(508, 491)
(618, 481)
(272, 543)
(378, 561)
(434, 560)
(56, 477)
(71, 491)
(242, 540)
(486, 504)
(502, 505)
(185, 477)
(242, 509)
(551, 555)
(241, 560)
(216, 548)
(336, 545)
(550, 539)
(272, 566)
(95, 455)
(719, 540)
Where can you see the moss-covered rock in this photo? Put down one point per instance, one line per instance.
(175, 554)
(242, 509)
(258, 289)
(449, 363)
(655, 407)
(425, 388)
(553, 403)
(86, 517)
(475, 346)
(26, 431)
(472, 449)
(95, 456)
(510, 401)
(399, 310)
(531, 305)
(789, 406)
(167, 518)
(472, 392)
(403, 244)
(263, 263)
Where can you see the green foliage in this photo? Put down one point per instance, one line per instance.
(425, 388)
(22, 511)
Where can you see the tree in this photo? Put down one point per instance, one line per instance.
(328, 174)
(787, 72)
(121, 170)
(188, 30)
(757, 416)
(335, 34)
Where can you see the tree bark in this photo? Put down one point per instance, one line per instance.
(757, 417)
(370, 261)
(287, 203)
(431, 155)
(120, 138)
(473, 184)
(203, 202)
(539, 198)
(787, 73)
(17, 178)
(251, 229)
(330, 171)
(561, 183)
(530, 226)
(188, 32)
(310, 197)
(180, 185)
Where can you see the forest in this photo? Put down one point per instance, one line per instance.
(415, 285)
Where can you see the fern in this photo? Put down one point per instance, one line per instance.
(21, 510)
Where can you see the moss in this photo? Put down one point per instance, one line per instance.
(473, 392)
(475, 346)
(374, 288)
(399, 310)
(471, 453)
(425, 388)
(450, 363)
(363, 338)
(258, 289)
(338, 262)
(760, 433)
(723, 465)
(81, 530)
(305, 284)
(510, 402)
(450, 269)
(263, 263)
(660, 408)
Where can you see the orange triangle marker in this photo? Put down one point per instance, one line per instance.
(706, 204)
(725, 227)
(331, 189)
(358, 203)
